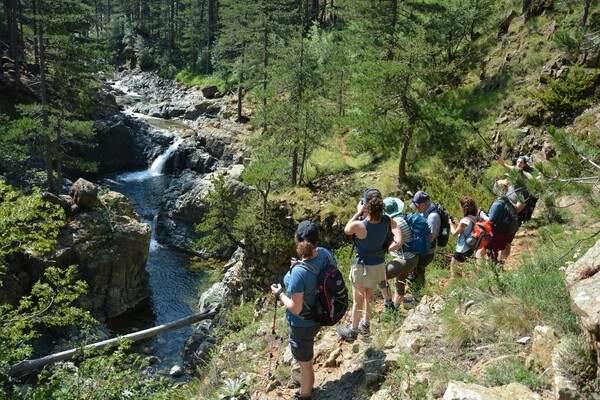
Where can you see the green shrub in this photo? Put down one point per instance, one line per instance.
(513, 370)
(573, 90)
(577, 363)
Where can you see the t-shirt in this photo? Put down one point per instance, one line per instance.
(407, 236)
(461, 245)
(372, 245)
(435, 223)
(299, 279)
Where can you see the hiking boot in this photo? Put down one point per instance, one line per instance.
(389, 305)
(349, 334)
(299, 396)
(364, 327)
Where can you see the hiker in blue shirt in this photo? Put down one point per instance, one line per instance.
(368, 268)
(422, 204)
(299, 297)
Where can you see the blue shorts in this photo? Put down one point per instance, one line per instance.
(302, 340)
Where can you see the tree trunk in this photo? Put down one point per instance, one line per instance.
(240, 94)
(294, 165)
(586, 10)
(402, 178)
(265, 65)
(209, 35)
(30, 365)
(14, 42)
(44, 98)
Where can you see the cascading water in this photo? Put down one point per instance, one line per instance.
(174, 286)
(156, 167)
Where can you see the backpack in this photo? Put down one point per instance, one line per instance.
(444, 235)
(420, 242)
(332, 295)
(480, 235)
(508, 224)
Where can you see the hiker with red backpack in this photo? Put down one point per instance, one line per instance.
(368, 267)
(299, 298)
(462, 229)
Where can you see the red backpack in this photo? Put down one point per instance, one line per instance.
(480, 235)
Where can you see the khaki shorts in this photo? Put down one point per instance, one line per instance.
(367, 275)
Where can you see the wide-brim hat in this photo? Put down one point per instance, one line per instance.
(393, 206)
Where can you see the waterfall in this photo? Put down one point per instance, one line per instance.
(156, 167)
(153, 242)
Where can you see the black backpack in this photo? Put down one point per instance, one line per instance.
(444, 235)
(509, 223)
(332, 294)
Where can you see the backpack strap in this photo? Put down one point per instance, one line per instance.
(378, 253)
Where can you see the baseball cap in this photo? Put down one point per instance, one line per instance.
(418, 198)
(393, 206)
(307, 232)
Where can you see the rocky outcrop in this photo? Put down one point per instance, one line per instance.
(198, 347)
(84, 194)
(470, 391)
(110, 247)
(583, 282)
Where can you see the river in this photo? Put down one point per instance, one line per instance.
(174, 286)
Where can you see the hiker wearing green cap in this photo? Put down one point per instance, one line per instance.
(403, 262)
(370, 227)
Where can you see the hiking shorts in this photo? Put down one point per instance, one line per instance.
(399, 268)
(497, 243)
(462, 257)
(368, 276)
(302, 341)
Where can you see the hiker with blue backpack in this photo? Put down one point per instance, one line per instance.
(370, 228)
(300, 297)
(423, 205)
(461, 229)
(404, 261)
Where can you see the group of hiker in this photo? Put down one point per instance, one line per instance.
(315, 294)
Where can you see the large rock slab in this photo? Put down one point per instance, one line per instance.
(583, 282)
(470, 391)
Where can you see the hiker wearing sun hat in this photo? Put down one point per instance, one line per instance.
(403, 262)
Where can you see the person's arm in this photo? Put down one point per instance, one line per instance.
(293, 303)
(501, 162)
(455, 229)
(398, 238)
(353, 225)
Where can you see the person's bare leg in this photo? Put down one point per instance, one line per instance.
(358, 298)
(307, 377)
(368, 299)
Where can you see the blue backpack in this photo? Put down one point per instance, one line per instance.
(420, 242)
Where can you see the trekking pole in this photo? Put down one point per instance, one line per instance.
(274, 316)
(443, 253)
(484, 141)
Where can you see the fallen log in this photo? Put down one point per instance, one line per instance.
(27, 366)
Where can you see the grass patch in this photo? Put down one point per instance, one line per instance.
(513, 370)
(190, 78)
(577, 364)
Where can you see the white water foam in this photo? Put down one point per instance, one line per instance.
(155, 169)
(119, 86)
(154, 245)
